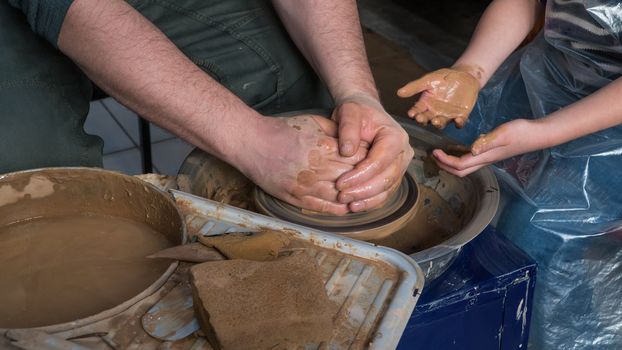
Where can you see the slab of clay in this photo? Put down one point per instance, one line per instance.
(262, 305)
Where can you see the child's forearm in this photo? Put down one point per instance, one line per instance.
(599, 111)
(502, 28)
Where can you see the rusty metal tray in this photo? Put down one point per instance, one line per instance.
(376, 287)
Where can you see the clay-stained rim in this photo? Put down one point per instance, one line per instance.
(398, 215)
(484, 179)
(488, 197)
(61, 327)
(487, 205)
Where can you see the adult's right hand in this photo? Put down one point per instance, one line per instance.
(446, 94)
(297, 160)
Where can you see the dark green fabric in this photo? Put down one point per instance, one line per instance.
(242, 44)
(44, 98)
(44, 16)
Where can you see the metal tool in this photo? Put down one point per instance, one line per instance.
(193, 252)
(172, 318)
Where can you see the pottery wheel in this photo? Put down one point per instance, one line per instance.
(373, 224)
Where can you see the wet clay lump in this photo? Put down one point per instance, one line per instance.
(244, 304)
(62, 268)
(259, 246)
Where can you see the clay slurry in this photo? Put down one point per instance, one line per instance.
(59, 269)
(433, 223)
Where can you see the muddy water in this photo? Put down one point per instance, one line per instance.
(59, 269)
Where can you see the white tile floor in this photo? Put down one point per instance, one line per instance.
(118, 127)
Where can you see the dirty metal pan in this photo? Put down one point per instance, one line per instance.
(376, 288)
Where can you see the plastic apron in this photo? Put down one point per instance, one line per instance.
(564, 204)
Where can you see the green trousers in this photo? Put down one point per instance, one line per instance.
(44, 97)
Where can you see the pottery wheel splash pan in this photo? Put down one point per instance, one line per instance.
(73, 245)
(373, 224)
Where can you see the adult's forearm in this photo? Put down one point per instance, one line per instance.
(329, 34)
(502, 28)
(133, 61)
(599, 111)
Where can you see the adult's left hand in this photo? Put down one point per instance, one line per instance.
(510, 139)
(362, 118)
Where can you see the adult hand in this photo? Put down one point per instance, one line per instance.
(510, 139)
(362, 120)
(297, 160)
(448, 94)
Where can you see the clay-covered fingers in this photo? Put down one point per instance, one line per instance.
(348, 117)
(320, 189)
(460, 121)
(424, 112)
(322, 206)
(414, 111)
(459, 163)
(370, 203)
(386, 149)
(328, 150)
(298, 161)
(463, 165)
(376, 175)
(417, 86)
(446, 94)
(490, 141)
(459, 173)
(327, 171)
(420, 113)
(326, 125)
(442, 113)
(374, 192)
(440, 121)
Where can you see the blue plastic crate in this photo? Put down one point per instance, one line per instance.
(483, 301)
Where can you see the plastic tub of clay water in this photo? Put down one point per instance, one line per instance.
(73, 243)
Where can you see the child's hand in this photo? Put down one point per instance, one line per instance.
(510, 139)
(448, 94)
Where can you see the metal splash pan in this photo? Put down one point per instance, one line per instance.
(376, 287)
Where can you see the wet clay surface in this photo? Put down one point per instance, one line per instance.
(62, 268)
(38, 187)
(245, 304)
(483, 140)
(447, 94)
(433, 223)
(216, 180)
(258, 246)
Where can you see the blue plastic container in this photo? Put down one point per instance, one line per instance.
(483, 301)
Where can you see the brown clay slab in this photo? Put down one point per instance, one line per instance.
(245, 304)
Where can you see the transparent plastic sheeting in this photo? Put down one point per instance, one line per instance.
(564, 204)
